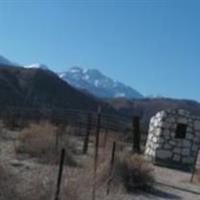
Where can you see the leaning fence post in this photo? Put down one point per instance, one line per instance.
(96, 151)
(111, 167)
(136, 134)
(62, 158)
(86, 140)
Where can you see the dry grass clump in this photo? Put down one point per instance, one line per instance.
(8, 184)
(133, 172)
(37, 139)
(44, 141)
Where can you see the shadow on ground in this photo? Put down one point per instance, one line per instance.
(162, 194)
(179, 188)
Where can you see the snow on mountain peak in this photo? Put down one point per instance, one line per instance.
(37, 66)
(77, 69)
(97, 83)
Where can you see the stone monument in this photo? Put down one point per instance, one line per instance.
(173, 139)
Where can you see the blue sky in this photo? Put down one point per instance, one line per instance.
(151, 45)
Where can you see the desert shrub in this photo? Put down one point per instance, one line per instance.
(40, 141)
(133, 172)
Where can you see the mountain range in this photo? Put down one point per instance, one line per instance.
(88, 80)
(98, 84)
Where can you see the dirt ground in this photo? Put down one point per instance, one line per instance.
(170, 184)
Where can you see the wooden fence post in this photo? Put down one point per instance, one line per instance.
(111, 167)
(136, 134)
(87, 136)
(62, 158)
(105, 138)
(96, 151)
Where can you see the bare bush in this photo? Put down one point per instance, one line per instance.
(43, 141)
(134, 172)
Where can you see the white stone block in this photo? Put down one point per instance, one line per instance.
(185, 152)
(157, 132)
(161, 141)
(177, 150)
(158, 115)
(172, 142)
(167, 146)
(166, 125)
(182, 120)
(189, 129)
(172, 134)
(150, 136)
(147, 150)
(197, 125)
(189, 136)
(196, 139)
(157, 145)
(171, 120)
(166, 132)
(163, 154)
(152, 120)
(157, 123)
(197, 134)
(176, 158)
(151, 128)
(155, 139)
(186, 143)
(163, 114)
(167, 137)
(151, 152)
(195, 147)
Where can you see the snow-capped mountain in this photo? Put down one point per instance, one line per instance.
(90, 80)
(97, 83)
(37, 65)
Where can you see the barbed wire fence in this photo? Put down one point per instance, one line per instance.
(86, 124)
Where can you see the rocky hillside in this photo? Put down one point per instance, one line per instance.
(40, 88)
